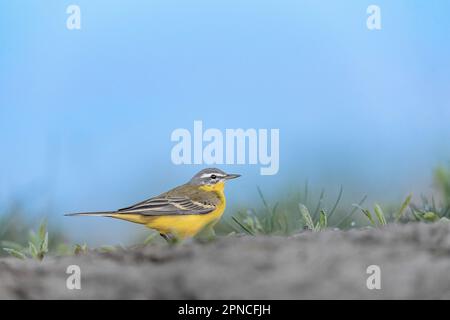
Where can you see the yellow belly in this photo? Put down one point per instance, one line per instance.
(182, 226)
(186, 225)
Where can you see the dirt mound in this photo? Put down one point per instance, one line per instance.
(414, 260)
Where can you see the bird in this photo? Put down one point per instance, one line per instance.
(181, 212)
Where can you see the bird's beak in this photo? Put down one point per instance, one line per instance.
(230, 176)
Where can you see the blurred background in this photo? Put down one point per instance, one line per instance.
(86, 115)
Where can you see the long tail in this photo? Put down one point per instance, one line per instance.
(92, 214)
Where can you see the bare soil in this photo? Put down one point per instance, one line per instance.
(414, 261)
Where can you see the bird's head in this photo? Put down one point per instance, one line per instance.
(211, 177)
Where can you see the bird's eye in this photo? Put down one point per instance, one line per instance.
(213, 176)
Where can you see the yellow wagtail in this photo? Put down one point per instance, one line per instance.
(181, 212)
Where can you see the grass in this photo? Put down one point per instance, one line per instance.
(379, 218)
(297, 214)
(293, 214)
(287, 216)
(28, 238)
(37, 246)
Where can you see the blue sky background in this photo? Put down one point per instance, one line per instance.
(86, 115)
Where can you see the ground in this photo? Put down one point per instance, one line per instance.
(414, 261)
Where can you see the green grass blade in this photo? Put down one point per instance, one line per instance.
(323, 221)
(44, 244)
(80, 249)
(42, 229)
(416, 215)
(11, 245)
(33, 250)
(150, 238)
(263, 199)
(367, 214)
(341, 191)
(242, 226)
(403, 208)
(107, 249)
(355, 208)
(319, 203)
(446, 212)
(430, 216)
(274, 218)
(380, 215)
(306, 216)
(15, 253)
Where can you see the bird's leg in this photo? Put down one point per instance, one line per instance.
(165, 236)
(170, 238)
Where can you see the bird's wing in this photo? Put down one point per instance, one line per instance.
(171, 204)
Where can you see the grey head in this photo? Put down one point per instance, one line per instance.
(211, 176)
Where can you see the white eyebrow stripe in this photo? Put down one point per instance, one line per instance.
(207, 175)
